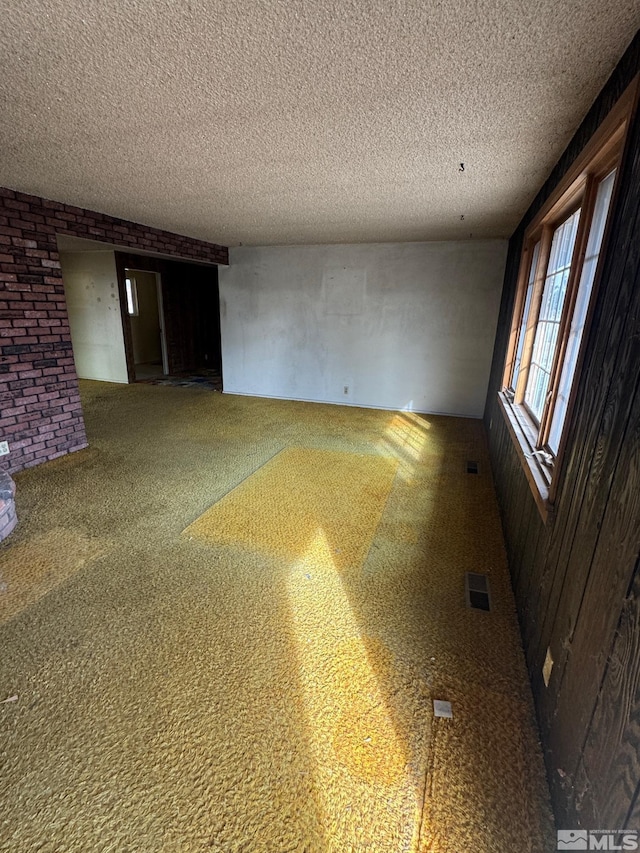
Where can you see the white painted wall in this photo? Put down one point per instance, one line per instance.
(91, 289)
(408, 325)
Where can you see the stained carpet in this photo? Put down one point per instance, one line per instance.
(226, 622)
(304, 503)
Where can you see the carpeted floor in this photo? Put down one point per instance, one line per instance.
(226, 622)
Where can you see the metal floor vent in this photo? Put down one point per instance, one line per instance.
(477, 591)
(471, 467)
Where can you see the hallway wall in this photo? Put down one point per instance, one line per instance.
(399, 325)
(91, 290)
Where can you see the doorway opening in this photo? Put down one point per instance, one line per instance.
(171, 321)
(143, 290)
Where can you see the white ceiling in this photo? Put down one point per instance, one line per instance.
(293, 121)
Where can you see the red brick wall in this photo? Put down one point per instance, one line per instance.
(40, 411)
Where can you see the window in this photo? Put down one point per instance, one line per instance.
(132, 296)
(579, 316)
(557, 283)
(547, 328)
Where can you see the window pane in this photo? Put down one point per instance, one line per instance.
(603, 200)
(132, 301)
(525, 315)
(553, 296)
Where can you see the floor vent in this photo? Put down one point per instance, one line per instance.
(472, 467)
(477, 591)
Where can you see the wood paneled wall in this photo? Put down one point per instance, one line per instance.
(577, 576)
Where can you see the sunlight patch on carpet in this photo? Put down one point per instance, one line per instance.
(367, 735)
(406, 438)
(31, 569)
(279, 509)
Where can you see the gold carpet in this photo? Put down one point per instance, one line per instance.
(226, 622)
(302, 497)
(34, 567)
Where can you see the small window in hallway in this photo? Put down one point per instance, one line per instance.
(132, 296)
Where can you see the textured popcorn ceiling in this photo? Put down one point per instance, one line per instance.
(261, 121)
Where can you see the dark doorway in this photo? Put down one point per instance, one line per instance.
(192, 310)
(188, 320)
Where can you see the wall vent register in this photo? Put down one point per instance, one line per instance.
(477, 591)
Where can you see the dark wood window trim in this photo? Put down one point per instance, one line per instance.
(521, 437)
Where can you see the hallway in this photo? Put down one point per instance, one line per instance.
(226, 622)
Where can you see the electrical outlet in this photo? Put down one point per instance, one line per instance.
(346, 389)
(4, 448)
